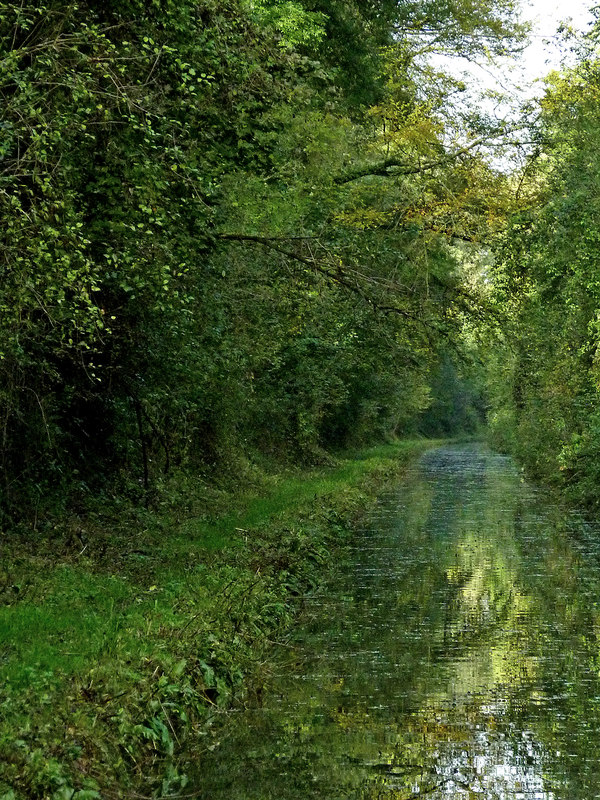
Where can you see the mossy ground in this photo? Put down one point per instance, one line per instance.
(122, 642)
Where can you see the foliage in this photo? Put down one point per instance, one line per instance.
(545, 391)
(233, 233)
(122, 646)
(211, 244)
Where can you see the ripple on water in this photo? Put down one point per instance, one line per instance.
(454, 654)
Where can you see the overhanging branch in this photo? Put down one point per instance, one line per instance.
(337, 274)
(391, 167)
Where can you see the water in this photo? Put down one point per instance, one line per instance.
(454, 655)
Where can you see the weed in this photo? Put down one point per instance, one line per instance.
(118, 657)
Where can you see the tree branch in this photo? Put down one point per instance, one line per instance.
(338, 274)
(401, 168)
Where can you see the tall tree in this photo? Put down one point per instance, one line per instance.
(203, 204)
(547, 275)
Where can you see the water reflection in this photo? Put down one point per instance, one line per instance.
(455, 655)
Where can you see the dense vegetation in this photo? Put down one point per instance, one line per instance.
(236, 237)
(545, 376)
(229, 231)
(122, 645)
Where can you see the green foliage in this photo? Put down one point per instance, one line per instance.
(229, 237)
(546, 387)
(297, 26)
(116, 128)
(120, 660)
(458, 406)
(204, 254)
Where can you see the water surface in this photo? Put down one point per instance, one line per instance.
(455, 654)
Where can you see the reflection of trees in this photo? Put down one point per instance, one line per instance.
(476, 654)
(458, 657)
(518, 653)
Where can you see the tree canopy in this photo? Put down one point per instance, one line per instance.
(229, 228)
(545, 385)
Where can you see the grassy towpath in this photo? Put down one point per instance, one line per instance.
(122, 643)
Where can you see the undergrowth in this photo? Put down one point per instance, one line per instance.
(123, 643)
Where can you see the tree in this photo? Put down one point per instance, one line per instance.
(208, 225)
(548, 275)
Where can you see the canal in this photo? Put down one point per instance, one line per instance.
(455, 654)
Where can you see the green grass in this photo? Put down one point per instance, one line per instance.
(87, 633)
(289, 492)
(78, 614)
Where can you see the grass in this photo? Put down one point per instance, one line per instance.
(115, 650)
(283, 493)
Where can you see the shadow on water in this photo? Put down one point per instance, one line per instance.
(455, 654)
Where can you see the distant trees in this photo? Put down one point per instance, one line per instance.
(546, 385)
(226, 226)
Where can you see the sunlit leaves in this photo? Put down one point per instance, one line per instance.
(548, 274)
(296, 25)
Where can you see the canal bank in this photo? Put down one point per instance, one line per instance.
(122, 650)
(453, 654)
